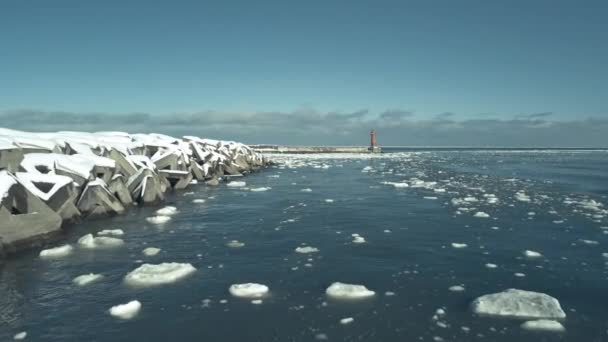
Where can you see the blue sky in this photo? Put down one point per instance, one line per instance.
(502, 61)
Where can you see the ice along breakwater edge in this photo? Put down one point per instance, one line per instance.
(49, 179)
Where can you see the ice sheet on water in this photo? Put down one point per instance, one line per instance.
(198, 201)
(532, 254)
(151, 251)
(340, 290)
(159, 274)
(235, 244)
(306, 190)
(358, 238)
(519, 304)
(306, 250)
(248, 290)
(481, 214)
(126, 311)
(56, 252)
(347, 320)
(456, 288)
(543, 325)
(236, 184)
(90, 242)
(521, 196)
(260, 189)
(20, 336)
(160, 219)
(167, 211)
(87, 279)
(459, 245)
(115, 232)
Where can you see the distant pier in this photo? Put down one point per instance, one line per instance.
(314, 149)
(372, 148)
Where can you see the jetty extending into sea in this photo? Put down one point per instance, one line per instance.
(49, 179)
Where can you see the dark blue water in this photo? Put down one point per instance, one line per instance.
(408, 252)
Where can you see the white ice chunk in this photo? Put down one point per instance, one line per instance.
(235, 244)
(167, 211)
(489, 265)
(116, 232)
(339, 290)
(522, 197)
(359, 239)
(56, 252)
(198, 201)
(249, 290)
(329, 200)
(306, 190)
(459, 245)
(519, 304)
(481, 214)
(158, 219)
(260, 189)
(160, 274)
(456, 288)
(90, 242)
(532, 254)
(543, 325)
(87, 279)
(20, 336)
(151, 251)
(126, 311)
(306, 250)
(347, 320)
(236, 184)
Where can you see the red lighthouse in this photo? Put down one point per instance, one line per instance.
(373, 148)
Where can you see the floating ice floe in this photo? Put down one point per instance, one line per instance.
(167, 211)
(543, 325)
(151, 251)
(347, 320)
(257, 301)
(397, 184)
(522, 197)
(126, 311)
(358, 238)
(519, 304)
(115, 232)
(160, 274)
(86, 279)
(519, 274)
(459, 245)
(306, 250)
(589, 242)
(430, 197)
(489, 265)
(339, 290)
(306, 190)
(90, 242)
(456, 288)
(56, 252)
(481, 214)
(20, 336)
(160, 219)
(329, 200)
(248, 290)
(198, 201)
(532, 254)
(236, 184)
(235, 244)
(260, 189)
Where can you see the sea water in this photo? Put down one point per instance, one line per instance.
(405, 225)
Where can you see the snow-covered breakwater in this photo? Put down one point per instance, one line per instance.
(47, 179)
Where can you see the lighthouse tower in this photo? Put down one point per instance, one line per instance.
(374, 148)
